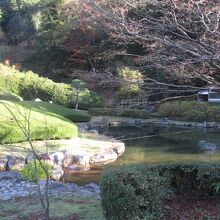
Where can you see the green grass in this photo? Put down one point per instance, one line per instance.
(5, 95)
(59, 110)
(44, 124)
(61, 207)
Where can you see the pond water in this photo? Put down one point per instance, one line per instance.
(150, 144)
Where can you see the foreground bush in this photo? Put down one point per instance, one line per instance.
(44, 124)
(190, 110)
(130, 113)
(138, 191)
(30, 86)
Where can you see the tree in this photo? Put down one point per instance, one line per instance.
(78, 87)
(181, 37)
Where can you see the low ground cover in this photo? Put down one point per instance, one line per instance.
(62, 207)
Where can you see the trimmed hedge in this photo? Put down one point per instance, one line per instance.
(138, 191)
(130, 113)
(190, 111)
(30, 86)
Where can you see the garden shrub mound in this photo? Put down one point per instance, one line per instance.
(138, 191)
(43, 124)
(58, 110)
(29, 86)
(190, 111)
(130, 113)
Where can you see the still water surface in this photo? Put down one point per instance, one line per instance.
(163, 145)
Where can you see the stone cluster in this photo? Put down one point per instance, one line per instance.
(12, 185)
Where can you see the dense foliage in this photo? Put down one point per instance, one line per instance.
(43, 123)
(30, 86)
(189, 110)
(138, 191)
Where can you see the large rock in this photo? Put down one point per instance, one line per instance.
(82, 159)
(103, 158)
(57, 172)
(118, 148)
(14, 163)
(3, 162)
(58, 158)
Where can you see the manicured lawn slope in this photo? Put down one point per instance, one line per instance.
(59, 110)
(43, 123)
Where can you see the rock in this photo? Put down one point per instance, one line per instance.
(82, 159)
(58, 158)
(103, 158)
(40, 156)
(118, 148)
(12, 175)
(57, 172)
(3, 162)
(93, 131)
(14, 162)
(139, 121)
(92, 187)
(76, 169)
(38, 100)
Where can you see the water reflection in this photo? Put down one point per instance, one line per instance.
(160, 145)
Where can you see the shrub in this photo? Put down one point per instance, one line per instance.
(132, 113)
(135, 114)
(29, 173)
(189, 110)
(30, 86)
(136, 191)
(134, 83)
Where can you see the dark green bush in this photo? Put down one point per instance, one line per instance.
(190, 110)
(138, 191)
(132, 113)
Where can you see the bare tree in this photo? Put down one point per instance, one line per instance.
(23, 121)
(182, 37)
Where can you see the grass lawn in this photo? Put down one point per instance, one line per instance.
(58, 110)
(44, 124)
(62, 207)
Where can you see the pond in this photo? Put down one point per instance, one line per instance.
(154, 144)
